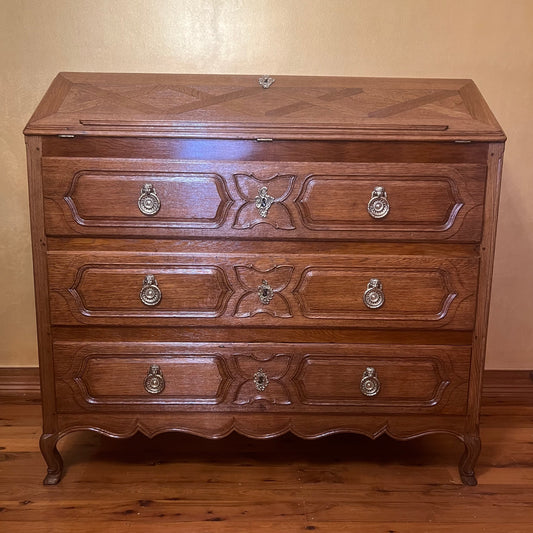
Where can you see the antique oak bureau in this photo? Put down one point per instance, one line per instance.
(242, 253)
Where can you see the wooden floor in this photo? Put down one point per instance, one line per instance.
(179, 483)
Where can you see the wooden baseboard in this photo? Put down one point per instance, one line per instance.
(501, 387)
(507, 387)
(20, 383)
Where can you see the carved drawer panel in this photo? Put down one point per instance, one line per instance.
(92, 197)
(384, 201)
(418, 291)
(361, 379)
(413, 379)
(232, 289)
(136, 290)
(400, 201)
(133, 375)
(381, 377)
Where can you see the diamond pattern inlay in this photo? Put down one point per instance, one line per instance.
(171, 100)
(237, 107)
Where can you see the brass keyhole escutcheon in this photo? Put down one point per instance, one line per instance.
(260, 380)
(265, 292)
(263, 201)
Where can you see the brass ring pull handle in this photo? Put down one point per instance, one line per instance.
(374, 296)
(154, 383)
(263, 201)
(370, 384)
(150, 293)
(265, 293)
(149, 203)
(260, 380)
(378, 207)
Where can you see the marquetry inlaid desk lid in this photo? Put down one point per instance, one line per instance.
(291, 107)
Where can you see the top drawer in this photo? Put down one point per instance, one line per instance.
(264, 200)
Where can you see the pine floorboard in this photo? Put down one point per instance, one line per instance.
(344, 483)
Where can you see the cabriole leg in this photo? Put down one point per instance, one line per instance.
(48, 444)
(468, 460)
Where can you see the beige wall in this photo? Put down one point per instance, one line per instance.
(487, 40)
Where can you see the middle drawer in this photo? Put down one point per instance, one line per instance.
(291, 289)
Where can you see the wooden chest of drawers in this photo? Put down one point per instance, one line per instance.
(227, 253)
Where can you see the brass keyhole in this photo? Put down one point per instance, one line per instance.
(260, 380)
(265, 292)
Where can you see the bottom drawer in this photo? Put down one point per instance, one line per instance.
(352, 378)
